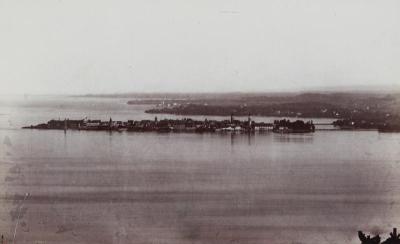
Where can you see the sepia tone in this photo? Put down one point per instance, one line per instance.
(199, 122)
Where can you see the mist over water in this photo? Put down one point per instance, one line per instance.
(100, 187)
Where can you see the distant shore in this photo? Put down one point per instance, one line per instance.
(377, 108)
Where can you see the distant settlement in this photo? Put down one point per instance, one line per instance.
(179, 125)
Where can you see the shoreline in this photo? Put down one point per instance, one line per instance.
(179, 125)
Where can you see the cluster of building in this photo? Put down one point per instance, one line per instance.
(178, 125)
(298, 126)
(190, 125)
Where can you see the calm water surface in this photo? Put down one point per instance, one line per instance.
(100, 187)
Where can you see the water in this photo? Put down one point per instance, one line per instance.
(100, 187)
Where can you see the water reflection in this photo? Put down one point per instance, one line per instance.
(293, 138)
(235, 137)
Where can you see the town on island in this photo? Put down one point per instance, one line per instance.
(179, 125)
(202, 126)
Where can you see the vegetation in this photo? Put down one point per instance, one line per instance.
(355, 106)
(393, 239)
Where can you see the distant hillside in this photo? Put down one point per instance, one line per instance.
(327, 105)
(365, 105)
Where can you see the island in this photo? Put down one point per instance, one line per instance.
(179, 125)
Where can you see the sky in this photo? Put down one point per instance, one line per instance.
(96, 46)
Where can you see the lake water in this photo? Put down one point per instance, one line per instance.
(101, 187)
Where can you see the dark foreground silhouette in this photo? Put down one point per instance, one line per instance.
(393, 239)
(365, 239)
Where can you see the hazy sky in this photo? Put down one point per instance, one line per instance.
(94, 46)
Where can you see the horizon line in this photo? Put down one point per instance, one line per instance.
(394, 88)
